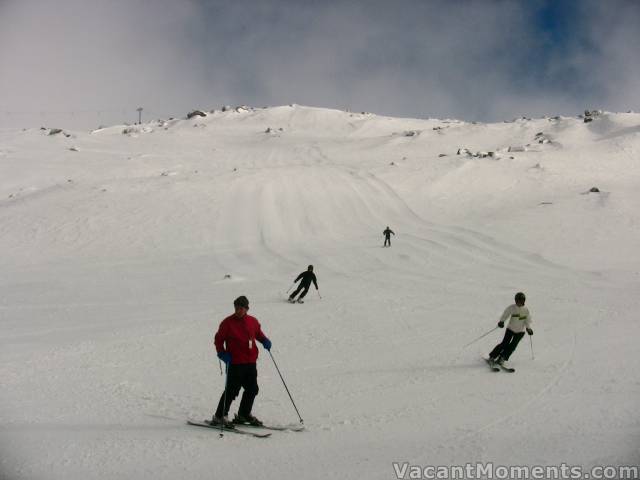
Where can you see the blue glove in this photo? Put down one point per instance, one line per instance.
(225, 357)
(266, 343)
(529, 331)
(501, 324)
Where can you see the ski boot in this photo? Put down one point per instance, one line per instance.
(247, 420)
(221, 421)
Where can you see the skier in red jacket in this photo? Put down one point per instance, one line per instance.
(235, 343)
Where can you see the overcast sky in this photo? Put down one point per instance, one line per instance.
(82, 63)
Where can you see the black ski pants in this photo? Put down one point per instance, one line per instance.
(304, 286)
(245, 376)
(507, 346)
(387, 239)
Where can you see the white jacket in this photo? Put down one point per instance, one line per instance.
(519, 318)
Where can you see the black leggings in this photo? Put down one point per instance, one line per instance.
(507, 346)
(300, 287)
(240, 376)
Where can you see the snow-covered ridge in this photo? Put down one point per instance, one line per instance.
(323, 120)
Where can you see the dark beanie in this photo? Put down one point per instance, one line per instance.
(241, 301)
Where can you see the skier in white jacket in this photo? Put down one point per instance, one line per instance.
(519, 321)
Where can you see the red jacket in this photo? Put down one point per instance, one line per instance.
(238, 337)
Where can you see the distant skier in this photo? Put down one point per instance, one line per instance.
(387, 236)
(307, 277)
(519, 321)
(235, 343)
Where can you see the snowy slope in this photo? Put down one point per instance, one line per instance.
(116, 247)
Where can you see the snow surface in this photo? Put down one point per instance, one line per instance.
(115, 249)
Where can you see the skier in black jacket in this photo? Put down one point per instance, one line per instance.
(387, 236)
(307, 277)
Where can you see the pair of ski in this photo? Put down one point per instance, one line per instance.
(295, 301)
(235, 429)
(496, 367)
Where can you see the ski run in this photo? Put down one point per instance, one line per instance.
(124, 248)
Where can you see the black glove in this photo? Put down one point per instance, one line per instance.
(529, 331)
(501, 324)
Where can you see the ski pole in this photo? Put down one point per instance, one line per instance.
(318, 291)
(291, 287)
(481, 336)
(224, 405)
(285, 386)
(220, 363)
(531, 343)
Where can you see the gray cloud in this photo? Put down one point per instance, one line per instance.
(97, 56)
(456, 58)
